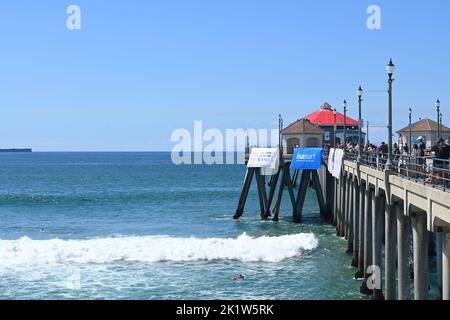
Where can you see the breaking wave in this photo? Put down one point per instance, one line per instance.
(25, 251)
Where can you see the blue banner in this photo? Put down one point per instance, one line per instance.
(307, 159)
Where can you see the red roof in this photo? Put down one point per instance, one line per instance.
(325, 116)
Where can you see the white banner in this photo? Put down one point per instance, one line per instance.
(337, 166)
(265, 158)
(331, 161)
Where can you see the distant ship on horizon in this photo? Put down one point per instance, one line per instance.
(17, 150)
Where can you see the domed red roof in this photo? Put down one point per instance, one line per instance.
(325, 117)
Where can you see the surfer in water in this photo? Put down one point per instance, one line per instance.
(239, 277)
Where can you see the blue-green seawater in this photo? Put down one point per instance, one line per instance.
(136, 226)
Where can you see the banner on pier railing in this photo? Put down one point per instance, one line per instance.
(335, 162)
(264, 158)
(331, 161)
(307, 159)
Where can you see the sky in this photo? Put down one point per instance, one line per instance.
(138, 70)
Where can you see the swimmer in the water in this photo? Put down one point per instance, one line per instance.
(239, 277)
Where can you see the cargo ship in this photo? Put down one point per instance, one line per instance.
(17, 150)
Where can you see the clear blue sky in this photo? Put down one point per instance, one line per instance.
(139, 69)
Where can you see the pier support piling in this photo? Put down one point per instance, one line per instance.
(285, 181)
(262, 195)
(335, 202)
(318, 187)
(439, 263)
(302, 190)
(362, 191)
(377, 243)
(342, 210)
(273, 186)
(420, 238)
(367, 240)
(355, 224)
(390, 250)
(351, 210)
(446, 266)
(403, 246)
(244, 193)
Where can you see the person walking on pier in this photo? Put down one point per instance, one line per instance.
(441, 160)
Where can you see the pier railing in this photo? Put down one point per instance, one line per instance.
(428, 170)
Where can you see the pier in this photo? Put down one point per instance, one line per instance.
(388, 217)
(375, 206)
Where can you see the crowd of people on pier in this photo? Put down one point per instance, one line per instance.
(419, 162)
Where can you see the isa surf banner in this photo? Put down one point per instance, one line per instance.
(307, 159)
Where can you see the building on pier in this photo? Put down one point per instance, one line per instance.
(324, 119)
(302, 134)
(425, 128)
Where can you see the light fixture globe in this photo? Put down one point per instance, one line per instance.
(390, 68)
(359, 92)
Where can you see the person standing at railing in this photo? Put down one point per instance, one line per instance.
(441, 160)
(383, 151)
(421, 155)
(406, 148)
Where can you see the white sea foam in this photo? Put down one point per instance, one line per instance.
(25, 251)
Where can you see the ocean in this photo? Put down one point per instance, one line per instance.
(136, 226)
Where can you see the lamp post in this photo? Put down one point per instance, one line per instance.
(280, 138)
(335, 129)
(410, 131)
(442, 135)
(390, 68)
(360, 123)
(368, 141)
(344, 104)
(438, 110)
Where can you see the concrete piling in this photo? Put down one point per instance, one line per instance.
(420, 238)
(403, 238)
(351, 209)
(347, 209)
(362, 192)
(439, 263)
(377, 244)
(355, 224)
(446, 266)
(335, 201)
(367, 240)
(390, 249)
(342, 211)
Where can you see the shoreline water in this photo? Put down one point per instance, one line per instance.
(87, 198)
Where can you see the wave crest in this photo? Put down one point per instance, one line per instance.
(26, 251)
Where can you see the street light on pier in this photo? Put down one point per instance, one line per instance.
(438, 110)
(335, 129)
(410, 131)
(344, 104)
(441, 125)
(280, 138)
(390, 68)
(368, 141)
(360, 123)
